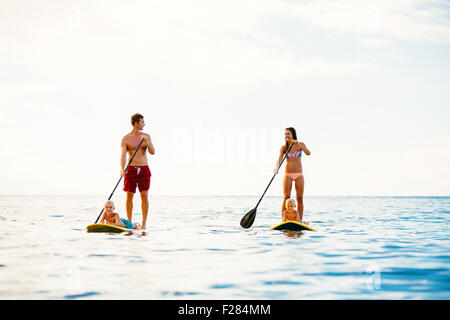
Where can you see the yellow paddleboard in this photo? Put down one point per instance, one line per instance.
(101, 227)
(292, 226)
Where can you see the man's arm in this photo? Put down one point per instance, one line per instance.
(149, 144)
(123, 156)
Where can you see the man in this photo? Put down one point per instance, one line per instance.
(138, 173)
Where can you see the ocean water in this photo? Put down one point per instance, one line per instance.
(365, 248)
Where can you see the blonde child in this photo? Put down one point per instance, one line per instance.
(289, 213)
(110, 217)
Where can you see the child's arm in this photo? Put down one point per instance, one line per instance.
(283, 216)
(300, 219)
(102, 218)
(117, 222)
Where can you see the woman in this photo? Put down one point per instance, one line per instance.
(294, 171)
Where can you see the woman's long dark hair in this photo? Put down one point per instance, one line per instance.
(294, 135)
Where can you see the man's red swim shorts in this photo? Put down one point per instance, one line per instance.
(137, 176)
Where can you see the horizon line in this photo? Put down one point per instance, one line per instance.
(223, 195)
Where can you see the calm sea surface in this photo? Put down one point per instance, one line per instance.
(365, 248)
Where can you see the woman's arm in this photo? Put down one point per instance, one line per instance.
(304, 148)
(280, 158)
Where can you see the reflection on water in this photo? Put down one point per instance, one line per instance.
(293, 234)
(194, 248)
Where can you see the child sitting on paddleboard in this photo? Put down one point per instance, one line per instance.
(110, 217)
(289, 212)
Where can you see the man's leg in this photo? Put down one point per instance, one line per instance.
(129, 206)
(144, 200)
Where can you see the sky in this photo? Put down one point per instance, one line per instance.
(365, 84)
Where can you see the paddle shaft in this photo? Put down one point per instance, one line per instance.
(274, 176)
(124, 171)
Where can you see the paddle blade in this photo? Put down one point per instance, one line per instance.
(248, 219)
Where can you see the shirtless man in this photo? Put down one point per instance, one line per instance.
(138, 173)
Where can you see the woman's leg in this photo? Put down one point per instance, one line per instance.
(299, 187)
(287, 186)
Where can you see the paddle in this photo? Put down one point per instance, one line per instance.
(124, 171)
(249, 218)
